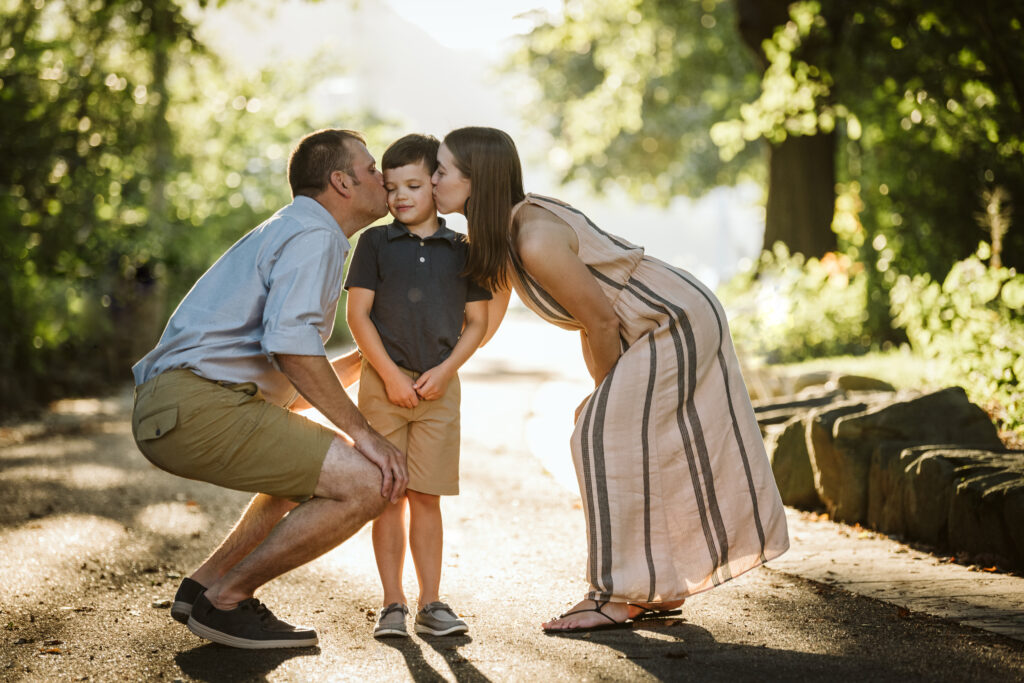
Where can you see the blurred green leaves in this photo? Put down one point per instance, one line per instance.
(629, 90)
(132, 158)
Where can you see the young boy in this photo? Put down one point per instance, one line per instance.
(416, 320)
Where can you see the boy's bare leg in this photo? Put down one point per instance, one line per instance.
(347, 496)
(389, 532)
(261, 515)
(426, 540)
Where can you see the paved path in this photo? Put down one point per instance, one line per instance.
(93, 541)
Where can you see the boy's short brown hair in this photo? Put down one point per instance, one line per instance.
(412, 149)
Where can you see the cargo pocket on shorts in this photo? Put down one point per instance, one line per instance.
(157, 424)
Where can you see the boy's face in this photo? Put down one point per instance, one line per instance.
(410, 194)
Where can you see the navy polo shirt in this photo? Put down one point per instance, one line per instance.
(420, 294)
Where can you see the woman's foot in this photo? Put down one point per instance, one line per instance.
(588, 614)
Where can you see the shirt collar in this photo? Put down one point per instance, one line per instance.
(317, 211)
(398, 229)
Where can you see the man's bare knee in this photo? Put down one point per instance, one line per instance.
(347, 475)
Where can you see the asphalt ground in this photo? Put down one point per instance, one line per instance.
(94, 540)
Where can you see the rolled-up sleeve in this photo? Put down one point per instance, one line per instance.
(304, 283)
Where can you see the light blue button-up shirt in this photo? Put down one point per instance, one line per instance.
(274, 291)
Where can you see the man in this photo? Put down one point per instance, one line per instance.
(212, 399)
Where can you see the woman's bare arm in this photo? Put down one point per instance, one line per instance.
(548, 249)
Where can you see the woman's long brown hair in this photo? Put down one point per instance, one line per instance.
(488, 157)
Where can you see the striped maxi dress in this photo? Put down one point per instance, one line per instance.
(677, 488)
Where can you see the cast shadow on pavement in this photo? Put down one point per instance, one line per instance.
(212, 662)
(674, 649)
(448, 647)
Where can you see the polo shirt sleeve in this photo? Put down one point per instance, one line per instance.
(362, 269)
(304, 284)
(475, 292)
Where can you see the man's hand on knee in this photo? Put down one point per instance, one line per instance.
(390, 460)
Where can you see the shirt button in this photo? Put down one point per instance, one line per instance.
(422, 259)
(422, 243)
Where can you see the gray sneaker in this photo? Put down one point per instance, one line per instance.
(187, 593)
(391, 621)
(438, 619)
(250, 625)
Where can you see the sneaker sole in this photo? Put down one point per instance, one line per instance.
(181, 611)
(452, 630)
(247, 643)
(391, 633)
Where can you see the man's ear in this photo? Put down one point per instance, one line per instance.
(341, 182)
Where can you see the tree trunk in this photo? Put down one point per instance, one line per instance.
(801, 170)
(801, 194)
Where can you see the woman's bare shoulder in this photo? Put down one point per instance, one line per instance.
(537, 229)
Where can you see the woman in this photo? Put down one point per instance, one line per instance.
(677, 489)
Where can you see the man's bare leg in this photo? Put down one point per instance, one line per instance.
(261, 515)
(347, 496)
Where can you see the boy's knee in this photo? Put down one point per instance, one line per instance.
(423, 500)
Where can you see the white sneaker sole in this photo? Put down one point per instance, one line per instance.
(391, 633)
(247, 643)
(451, 630)
(181, 611)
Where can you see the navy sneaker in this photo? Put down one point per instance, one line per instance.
(250, 625)
(187, 593)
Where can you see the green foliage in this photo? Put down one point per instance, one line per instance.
(133, 158)
(930, 103)
(974, 320)
(788, 308)
(629, 90)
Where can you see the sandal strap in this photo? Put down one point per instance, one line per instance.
(596, 608)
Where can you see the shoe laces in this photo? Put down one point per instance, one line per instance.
(263, 612)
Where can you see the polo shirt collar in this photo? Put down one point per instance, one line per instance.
(398, 229)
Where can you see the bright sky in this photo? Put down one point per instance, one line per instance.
(472, 24)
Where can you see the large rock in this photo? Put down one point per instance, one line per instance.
(842, 467)
(791, 464)
(925, 493)
(861, 383)
(887, 510)
(985, 510)
(781, 410)
(966, 500)
(813, 379)
(827, 464)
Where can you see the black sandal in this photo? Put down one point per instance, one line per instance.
(649, 613)
(599, 627)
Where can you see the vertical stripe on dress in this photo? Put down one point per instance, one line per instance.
(601, 486)
(588, 494)
(645, 443)
(703, 506)
(723, 364)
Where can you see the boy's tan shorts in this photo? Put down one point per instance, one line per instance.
(227, 435)
(428, 434)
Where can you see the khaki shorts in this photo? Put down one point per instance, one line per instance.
(428, 434)
(227, 435)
